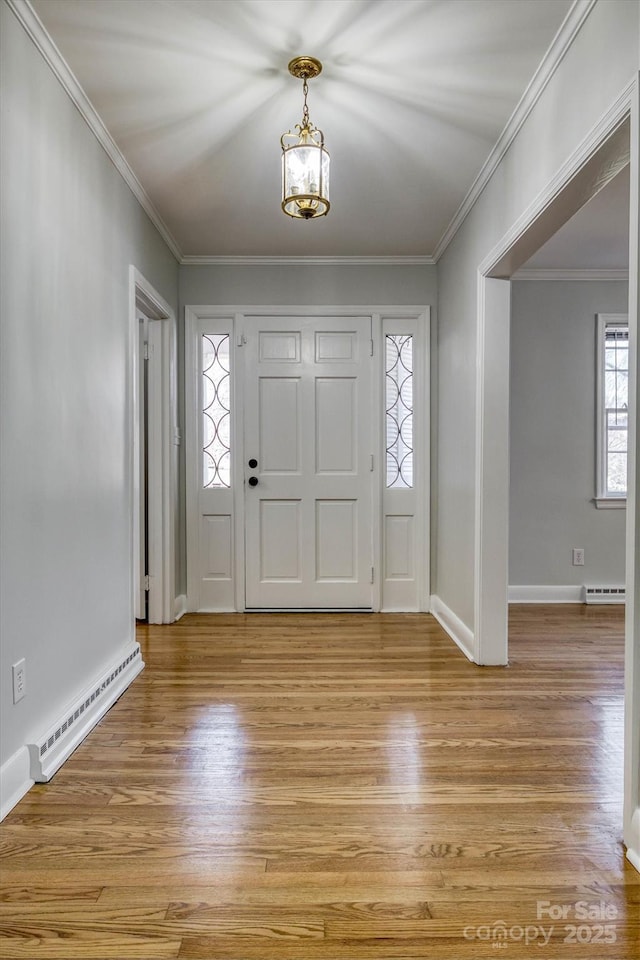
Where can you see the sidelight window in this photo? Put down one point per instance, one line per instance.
(399, 410)
(216, 411)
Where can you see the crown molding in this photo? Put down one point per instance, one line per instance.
(257, 261)
(36, 30)
(546, 69)
(544, 273)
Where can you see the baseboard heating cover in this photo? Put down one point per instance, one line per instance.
(602, 594)
(50, 751)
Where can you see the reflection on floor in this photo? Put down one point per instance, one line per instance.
(330, 786)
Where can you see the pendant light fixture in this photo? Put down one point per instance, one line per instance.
(305, 162)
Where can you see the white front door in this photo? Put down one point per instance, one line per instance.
(308, 462)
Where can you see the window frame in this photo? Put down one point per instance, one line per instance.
(603, 498)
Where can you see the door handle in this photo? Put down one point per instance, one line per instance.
(253, 463)
(253, 481)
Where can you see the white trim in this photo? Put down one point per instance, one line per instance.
(63, 73)
(610, 503)
(238, 368)
(81, 716)
(15, 781)
(548, 66)
(631, 813)
(542, 593)
(191, 431)
(162, 419)
(453, 626)
(311, 261)
(179, 607)
(545, 273)
(379, 447)
(491, 562)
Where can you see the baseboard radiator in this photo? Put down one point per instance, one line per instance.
(602, 594)
(50, 751)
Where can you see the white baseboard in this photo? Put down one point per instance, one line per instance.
(15, 780)
(179, 607)
(546, 594)
(457, 630)
(50, 751)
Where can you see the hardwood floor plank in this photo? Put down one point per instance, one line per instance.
(55, 896)
(58, 942)
(449, 944)
(345, 787)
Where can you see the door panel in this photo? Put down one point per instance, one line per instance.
(336, 414)
(336, 539)
(216, 545)
(399, 553)
(280, 540)
(308, 533)
(280, 419)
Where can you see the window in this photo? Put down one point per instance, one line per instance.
(612, 409)
(399, 410)
(216, 408)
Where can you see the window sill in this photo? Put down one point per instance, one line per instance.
(610, 503)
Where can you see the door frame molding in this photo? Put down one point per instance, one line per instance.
(239, 318)
(163, 439)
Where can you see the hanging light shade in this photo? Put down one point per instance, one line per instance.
(305, 162)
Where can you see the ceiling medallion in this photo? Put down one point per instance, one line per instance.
(305, 162)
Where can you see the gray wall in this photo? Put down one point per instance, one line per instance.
(316, 285)
(553, 392)
(70, 229)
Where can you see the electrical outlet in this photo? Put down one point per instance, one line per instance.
(19, 680)
(578, 557)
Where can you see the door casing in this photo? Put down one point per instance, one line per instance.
(163, 439)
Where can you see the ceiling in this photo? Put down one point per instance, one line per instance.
(413, 96)
(595, 238)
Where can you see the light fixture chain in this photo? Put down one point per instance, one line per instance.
(305, 109)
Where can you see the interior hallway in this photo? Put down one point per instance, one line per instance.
(329, 786)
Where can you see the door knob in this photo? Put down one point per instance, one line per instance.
(253, 481)
(253, 463)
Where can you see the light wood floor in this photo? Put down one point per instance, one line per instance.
(322, 786)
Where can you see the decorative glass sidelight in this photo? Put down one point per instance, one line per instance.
(399, 410)
(216, 411)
